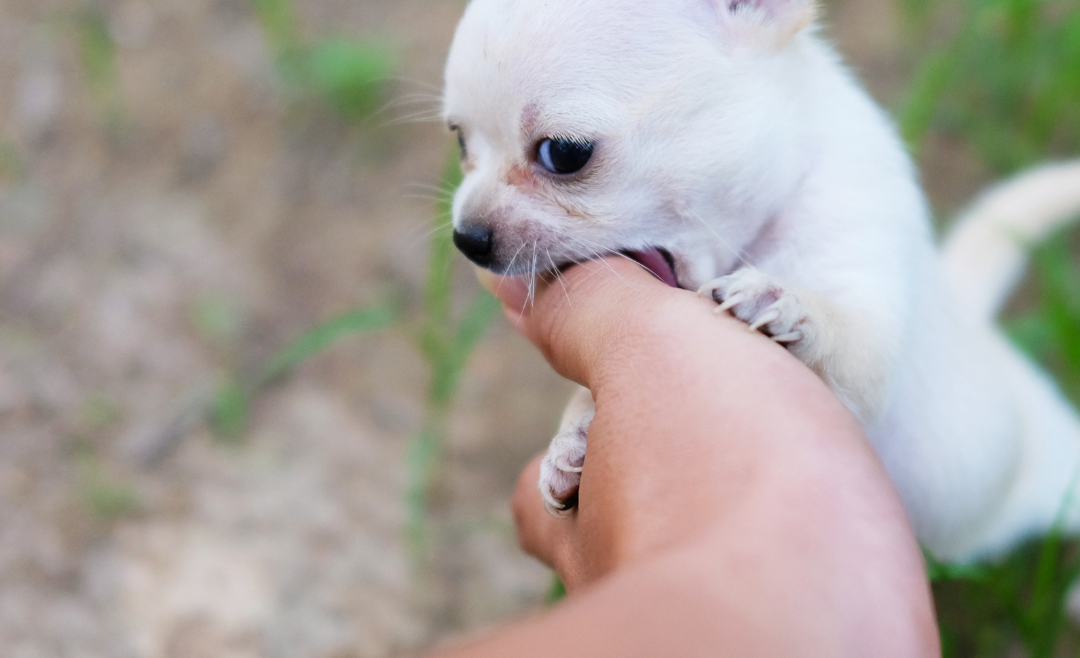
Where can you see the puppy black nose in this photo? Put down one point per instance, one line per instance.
(476, 242)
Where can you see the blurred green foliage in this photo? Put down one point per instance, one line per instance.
(107, 497)
(278, 22)
(231, 404)
(349, 75)
(215, 319)
(1006, 77)
(1003, 76)
(446, 340)
(556, 592)
(317, 339)
(445, 337)
(229, 409)
(100, 411)
(991, 610)
(1049, 329)
(97, 53)
(1022, 598)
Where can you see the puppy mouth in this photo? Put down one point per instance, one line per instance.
(659, 262)
(656, 260)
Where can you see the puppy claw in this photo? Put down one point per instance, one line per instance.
(565, 466)
(555, 508)
(560, 470)
(790, 337)
(761, 302)
(730, 303)
(765, 318)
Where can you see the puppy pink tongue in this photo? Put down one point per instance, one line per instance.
(654, 261)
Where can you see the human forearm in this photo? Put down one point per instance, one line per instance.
(729, 505)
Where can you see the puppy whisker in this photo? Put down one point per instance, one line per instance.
(437, 89)
(412, 238)
(738, 253)
(559, 278)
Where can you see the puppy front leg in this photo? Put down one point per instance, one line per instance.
(560, 470)
(842, 345)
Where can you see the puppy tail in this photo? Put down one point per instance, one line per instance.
(986, 251)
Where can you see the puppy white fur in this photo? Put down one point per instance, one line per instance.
(729, 135)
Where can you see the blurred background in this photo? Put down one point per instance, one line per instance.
(252, 404)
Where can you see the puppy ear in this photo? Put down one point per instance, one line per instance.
(772, 22)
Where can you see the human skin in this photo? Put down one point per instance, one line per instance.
(729, 504)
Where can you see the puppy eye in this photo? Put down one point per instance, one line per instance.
(560, 155)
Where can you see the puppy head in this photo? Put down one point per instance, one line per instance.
(591, 127)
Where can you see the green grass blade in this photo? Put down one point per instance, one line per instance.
(436, 333)
(446, 346)
(1060, 295)
(450, 366)
(483, 310)
(97, 52)
(938, 571)
(229, 412)
(921, 105)
(420, 465)
(364, 320)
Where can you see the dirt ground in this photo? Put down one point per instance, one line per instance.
(148, 248)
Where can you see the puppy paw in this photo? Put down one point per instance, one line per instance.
(560, 470)
(760, 302)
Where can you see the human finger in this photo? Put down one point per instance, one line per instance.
(590, 311)
(541, 535)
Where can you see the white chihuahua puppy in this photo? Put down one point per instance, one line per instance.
(722, 144)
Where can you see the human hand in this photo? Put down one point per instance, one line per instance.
(729, 503)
